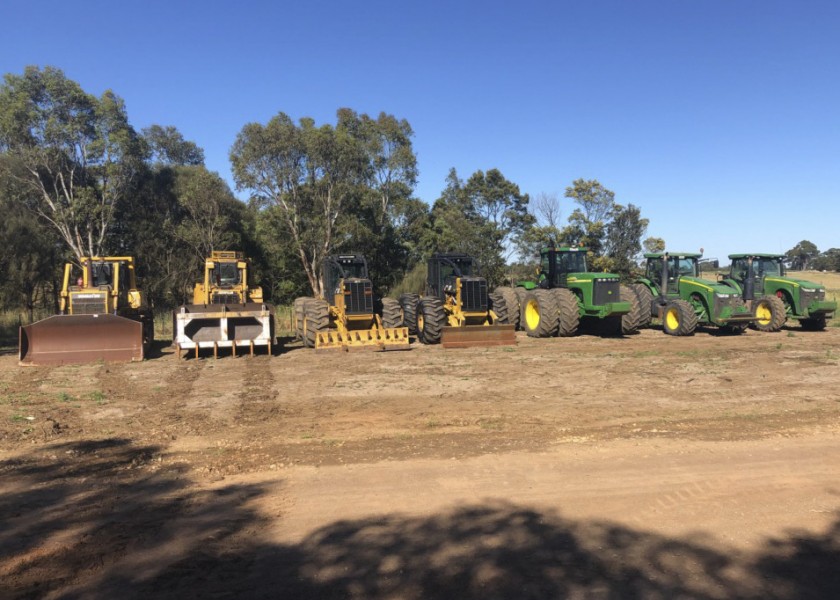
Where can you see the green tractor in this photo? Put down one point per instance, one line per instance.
(566, 293)
(676, 294)
(761, 281)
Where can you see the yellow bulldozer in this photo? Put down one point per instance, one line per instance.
(226, 312)
(349, 317)
(102, 316)
(455, 311)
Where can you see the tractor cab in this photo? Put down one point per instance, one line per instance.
(756, 267)
(557, 263)
(667, 269)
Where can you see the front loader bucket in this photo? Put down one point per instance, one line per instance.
(76, 339)
(478, 336)
(392, 338)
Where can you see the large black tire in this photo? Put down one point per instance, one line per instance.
(814, 323)
(298, 315)
(769, 313)
(409, 303)
(679, 318)
(391, 313)
(431, 319)
(645, 298)
(632, 321)
(316, 320)
(520, 292)
(505, 304)
(568, 313)
(539, 314)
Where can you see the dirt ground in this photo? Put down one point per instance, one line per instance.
(645, 467)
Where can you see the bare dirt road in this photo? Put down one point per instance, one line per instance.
(646, 466)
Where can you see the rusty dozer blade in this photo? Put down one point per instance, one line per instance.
(393, 338)
(76, 339)
(478, 336)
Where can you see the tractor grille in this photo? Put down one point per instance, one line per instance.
(218, 298)
(805, 298)
(358, 297)
(89, 304)
(474, 295)
(605, 291)
(733, 302)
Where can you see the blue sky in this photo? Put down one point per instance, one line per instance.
(720, 119)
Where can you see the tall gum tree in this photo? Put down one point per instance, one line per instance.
(315, 177)
(78, 154)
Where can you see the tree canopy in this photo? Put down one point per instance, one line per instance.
(77, 179)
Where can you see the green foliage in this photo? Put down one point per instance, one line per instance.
(78, 152)
(342, 188)
(587, 223)
(486, 217)
(168, 147)
(654, 244)
(800, 256)
(827, 261)
(610, 231)
(624, 232)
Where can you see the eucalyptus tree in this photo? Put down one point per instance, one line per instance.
(78, 154)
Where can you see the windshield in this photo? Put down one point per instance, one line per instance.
(571, 262)
(354, 270)
(761, 267)
(101, 274)
(767, 266)
(226, 274)
(683, 266)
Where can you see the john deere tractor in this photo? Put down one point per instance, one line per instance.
(455, 310)
(564, 294)
(349, 316)
(760, 279)
(674, 292)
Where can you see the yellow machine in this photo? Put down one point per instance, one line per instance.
(102, 316)
(225, 312)
(455, 312)
(348, 319)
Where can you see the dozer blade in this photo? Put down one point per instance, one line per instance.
(394, 338)
(478, 336)
(76, 339)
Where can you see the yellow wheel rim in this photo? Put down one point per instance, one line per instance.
(672, 319)
(419, 322)
(763, 314)
(532, 314)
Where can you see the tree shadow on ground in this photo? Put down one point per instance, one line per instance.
(99, 520)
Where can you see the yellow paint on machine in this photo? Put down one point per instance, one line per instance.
(394, 338)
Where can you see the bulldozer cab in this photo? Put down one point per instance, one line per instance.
(444, 270)
(226, 280)
(226, 274)
(101, 285)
